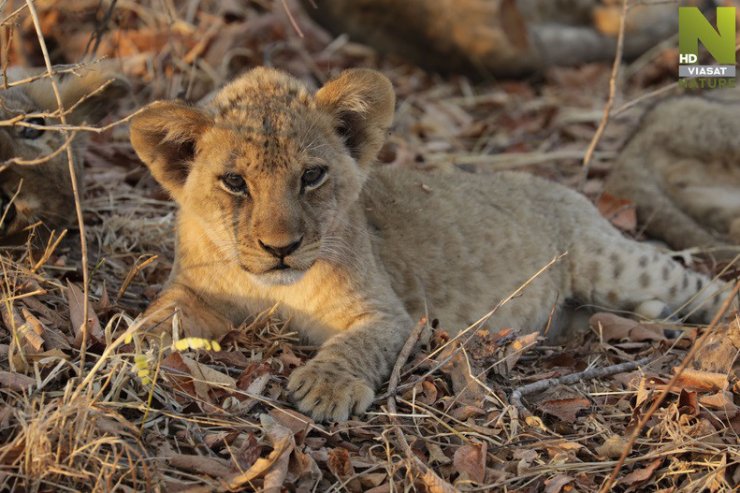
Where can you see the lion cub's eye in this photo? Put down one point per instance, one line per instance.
(234, 183)
(32, 133)
(313, 177)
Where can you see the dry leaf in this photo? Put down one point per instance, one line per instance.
(339, 463)
(514, 351)
(615, 328)
(639, 476)
(291, 419)
(372, 480)
(620, 212)
(701, 380)
(274, 465)
(34, 330)
(465, 387)
(384, 488)
(555, 484)
(180, 377)
(485, 347)
(435, 484)
(563, 448)
(217, 468)
(275, 476)
(216, 441)
(612, 447)
(426, 392)
(248, 452)
(464, 412)
(305, 468)
(436, 455)
(565, 409)
(719, 353)
(75, 298)
(15, 381)
(253, 381)
(470, 461)
(688, 403)
(525, 458)
(288, 358)
(722, 401)
(206, 378)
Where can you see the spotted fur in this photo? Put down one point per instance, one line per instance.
(682, 169)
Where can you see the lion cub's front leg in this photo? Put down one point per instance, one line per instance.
(341, 379)
(194, 317)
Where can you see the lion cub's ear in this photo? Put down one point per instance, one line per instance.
(164, 136)
(362, 102)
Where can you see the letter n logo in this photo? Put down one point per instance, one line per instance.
(694, 27)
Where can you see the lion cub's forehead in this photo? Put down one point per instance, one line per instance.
(271, 116)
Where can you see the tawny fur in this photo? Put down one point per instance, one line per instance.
(42, 191)
(378, 246)
(682, 169)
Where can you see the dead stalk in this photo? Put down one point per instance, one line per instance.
(610, 99)
(73, 178)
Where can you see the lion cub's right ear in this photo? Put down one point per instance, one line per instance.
(165, 136)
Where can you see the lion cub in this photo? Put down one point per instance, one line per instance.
(682, 169)
(34, 174)
(280, 204)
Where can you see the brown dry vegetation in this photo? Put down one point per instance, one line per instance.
(458, 414)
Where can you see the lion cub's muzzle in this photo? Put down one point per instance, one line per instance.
(284, 267)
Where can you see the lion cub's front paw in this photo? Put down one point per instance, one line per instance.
(327, 395)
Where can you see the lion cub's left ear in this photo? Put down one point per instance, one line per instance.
(362, 103)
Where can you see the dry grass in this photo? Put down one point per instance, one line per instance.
(135, 419)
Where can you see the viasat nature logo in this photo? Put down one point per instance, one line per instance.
(695, 28)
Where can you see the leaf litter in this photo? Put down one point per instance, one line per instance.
(222, 421)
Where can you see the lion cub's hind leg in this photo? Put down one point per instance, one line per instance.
(613, 272)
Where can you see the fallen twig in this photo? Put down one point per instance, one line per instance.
(610, 99)
(597, 372)
(72, 175)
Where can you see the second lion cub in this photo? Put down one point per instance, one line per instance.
(280, 204)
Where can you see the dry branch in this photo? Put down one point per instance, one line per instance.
(573, 378)
(610, 98)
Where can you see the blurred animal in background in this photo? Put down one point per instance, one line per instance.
(34, 172)
(682, 169)
(497, 37)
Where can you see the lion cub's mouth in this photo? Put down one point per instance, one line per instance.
(280, 276)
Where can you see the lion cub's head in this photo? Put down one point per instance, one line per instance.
(34, 172)
(269, 170)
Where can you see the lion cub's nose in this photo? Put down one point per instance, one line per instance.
(281, 251)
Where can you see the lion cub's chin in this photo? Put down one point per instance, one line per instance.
(278, 277)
